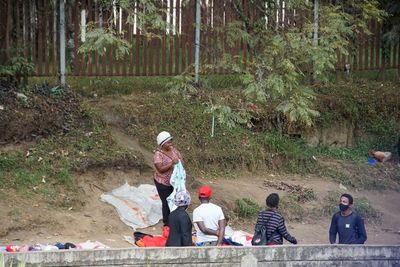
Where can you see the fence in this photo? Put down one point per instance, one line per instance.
(31, 26)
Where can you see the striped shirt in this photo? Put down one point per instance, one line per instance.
(275, 224)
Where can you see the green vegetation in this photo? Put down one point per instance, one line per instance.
(230, 148)
(246, 208)
(261, 144)
(47, 168)
(17, 69)
(102, 86)
(372, 107)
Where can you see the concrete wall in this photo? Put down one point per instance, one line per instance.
(305, 255)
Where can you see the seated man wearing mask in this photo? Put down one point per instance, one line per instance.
(347, 224)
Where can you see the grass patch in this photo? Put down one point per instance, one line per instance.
(118, 85)
(229, 149)
(338, 176)
(291, 209)
(246, 208)
(47, 168)
(372, 107)
(358, 175)
(14, 213)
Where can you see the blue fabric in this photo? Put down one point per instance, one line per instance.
(228, 241)
(60, 245)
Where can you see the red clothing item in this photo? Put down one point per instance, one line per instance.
(163, 159)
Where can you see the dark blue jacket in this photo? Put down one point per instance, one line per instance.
(180, 229)
(351, 229)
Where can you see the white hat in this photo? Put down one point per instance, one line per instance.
(163, 137)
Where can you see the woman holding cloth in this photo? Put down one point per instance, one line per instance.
(165, 157)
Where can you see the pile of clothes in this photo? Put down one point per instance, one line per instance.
(58, 246)
(232, 238)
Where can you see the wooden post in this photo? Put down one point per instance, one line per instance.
(197, 42)
(177, 38)
(8, 29)
(76, 42)
(398, 61)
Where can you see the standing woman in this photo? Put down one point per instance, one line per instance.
(165, 157)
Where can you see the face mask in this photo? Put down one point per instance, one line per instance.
(343, 207)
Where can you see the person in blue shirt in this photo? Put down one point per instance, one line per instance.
(347, 224)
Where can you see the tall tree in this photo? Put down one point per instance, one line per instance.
(284, 53)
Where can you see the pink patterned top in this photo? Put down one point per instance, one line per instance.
(159, 157)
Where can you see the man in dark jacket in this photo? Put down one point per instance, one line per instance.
(180, 225)
(347, 224)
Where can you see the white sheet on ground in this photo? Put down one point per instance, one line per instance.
(238, 236)
(91, 245)
(137, 207)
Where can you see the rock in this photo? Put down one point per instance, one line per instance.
(342, 187)
(22, 97)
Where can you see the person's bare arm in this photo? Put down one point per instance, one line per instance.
(221, 232)
(206, 230)
(164, 168)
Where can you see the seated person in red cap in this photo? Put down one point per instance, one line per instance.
(209, 220)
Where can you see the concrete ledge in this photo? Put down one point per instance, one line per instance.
(301, 255)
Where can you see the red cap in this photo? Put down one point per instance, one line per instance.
(205, 191)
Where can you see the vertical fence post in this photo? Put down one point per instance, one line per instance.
(8, 29)
(197, 43)
(315, 35)
(62, 43)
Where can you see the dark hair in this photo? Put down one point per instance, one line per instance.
(272, 200)
(348, 196)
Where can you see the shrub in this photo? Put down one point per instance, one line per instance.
(246, 207)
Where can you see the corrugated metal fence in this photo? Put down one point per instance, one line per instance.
(31, 26)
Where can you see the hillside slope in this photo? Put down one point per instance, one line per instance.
(27, 217)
